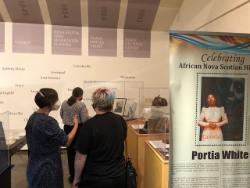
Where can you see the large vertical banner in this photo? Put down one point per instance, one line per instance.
(137, 33)
(28, 29)
(103, 18)
(210, 89)
(24, 11)
(66, 29)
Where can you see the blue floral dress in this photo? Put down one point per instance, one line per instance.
(44, 138)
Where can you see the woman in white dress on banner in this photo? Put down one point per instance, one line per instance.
(211, 120)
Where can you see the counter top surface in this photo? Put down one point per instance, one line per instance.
(158, 153)
(139, 123)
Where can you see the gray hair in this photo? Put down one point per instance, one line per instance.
(103, 99)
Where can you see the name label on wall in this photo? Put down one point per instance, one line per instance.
(137, 43)
(102, 42)
(28, 38)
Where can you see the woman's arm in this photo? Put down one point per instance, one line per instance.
(72, 133)
(80, 160)
(84, 115)
(202, 122)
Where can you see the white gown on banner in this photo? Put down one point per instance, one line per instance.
(215, 115)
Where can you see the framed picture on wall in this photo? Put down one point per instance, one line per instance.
(119, 105)
(130, 109)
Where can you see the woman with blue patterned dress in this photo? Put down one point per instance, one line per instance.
(44, 139)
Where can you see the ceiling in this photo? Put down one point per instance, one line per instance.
(125, 14)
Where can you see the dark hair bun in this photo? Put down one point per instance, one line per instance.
(159, 101)
(46, 97)
(77, 92)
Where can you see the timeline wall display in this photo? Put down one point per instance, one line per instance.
(62, 57)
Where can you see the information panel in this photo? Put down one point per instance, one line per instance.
(209, 81)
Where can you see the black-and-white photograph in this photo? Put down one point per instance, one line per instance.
(119, 105)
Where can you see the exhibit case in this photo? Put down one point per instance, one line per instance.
(129, 102)
(4, 150)
(136, 146)
(11, 141)
(147, 95)
(157, 120)
(156, 171)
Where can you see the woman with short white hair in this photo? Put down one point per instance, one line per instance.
(99, 161)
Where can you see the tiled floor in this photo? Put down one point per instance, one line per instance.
(18, 179)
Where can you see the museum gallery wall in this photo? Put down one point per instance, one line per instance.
(68, 53)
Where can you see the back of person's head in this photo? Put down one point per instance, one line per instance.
(76, 93)
(46, 97)
(103, 99)
(159, 101)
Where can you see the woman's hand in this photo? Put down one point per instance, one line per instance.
(75, 183)
(72, 133)
(212, 125)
